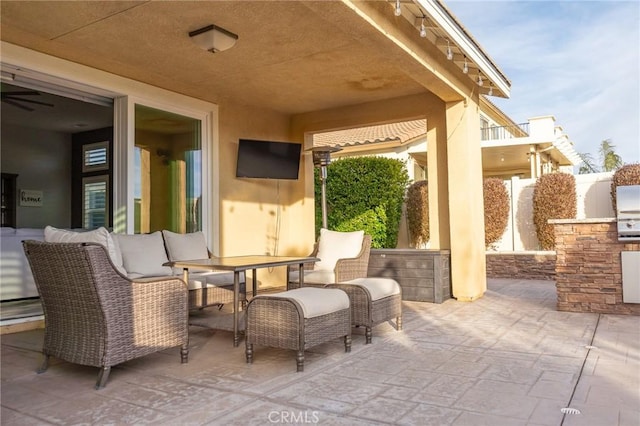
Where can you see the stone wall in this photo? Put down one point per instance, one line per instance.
(588, 267)
(529, 265)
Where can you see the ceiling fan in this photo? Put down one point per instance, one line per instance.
(17, 99)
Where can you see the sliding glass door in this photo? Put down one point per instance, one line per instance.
(167, 177)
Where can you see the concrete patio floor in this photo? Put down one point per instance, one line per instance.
(507, 359)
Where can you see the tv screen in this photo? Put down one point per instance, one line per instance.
(268, 159)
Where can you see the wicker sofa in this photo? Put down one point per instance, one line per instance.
(96, 316)
(146, 255)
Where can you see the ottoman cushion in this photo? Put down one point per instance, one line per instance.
(315, 301)
(378, 287)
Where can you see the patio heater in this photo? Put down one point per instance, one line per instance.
(321, 159)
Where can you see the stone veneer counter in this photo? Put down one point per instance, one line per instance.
(589, 268)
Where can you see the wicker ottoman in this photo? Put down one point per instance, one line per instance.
(373, 301)
(298, 319)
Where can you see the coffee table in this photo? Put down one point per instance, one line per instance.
(238, 264)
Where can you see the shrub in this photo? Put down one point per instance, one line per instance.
(496, 210)
(373, 222)
(626, 175)
(554, 197)
(358, 184)
(417, 207)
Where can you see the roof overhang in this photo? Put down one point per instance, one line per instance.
(292, 57)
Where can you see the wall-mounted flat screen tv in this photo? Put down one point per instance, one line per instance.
(268, 159)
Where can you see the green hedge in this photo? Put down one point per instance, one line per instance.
(364, 193)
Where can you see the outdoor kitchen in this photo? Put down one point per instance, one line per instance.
(598, 260)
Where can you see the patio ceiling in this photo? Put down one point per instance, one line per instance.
(291, 56)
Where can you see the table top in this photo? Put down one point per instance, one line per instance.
(242, 263)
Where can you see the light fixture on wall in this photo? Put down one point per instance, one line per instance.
(213, 38)
(465, 67)
(398, 11)
(423, 30)
(449, 51)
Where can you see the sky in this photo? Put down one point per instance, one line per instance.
(578, 61)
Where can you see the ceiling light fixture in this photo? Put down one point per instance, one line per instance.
(213, 38)
(480, 82)
(423, 30)
(490, 90)
(449, 52)
(398, 11)
(465, 67)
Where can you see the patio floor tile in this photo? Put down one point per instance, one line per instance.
(508, 358)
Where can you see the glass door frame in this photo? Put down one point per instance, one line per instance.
(123, 173)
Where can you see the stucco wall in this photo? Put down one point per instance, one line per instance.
(261, 216)
(593, 201)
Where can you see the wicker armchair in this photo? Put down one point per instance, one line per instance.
(345, 270)
(97, 317)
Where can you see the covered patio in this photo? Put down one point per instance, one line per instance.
(508, 359)
(297, 68)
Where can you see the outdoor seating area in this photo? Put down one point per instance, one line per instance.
(509, 358)
(108, 327)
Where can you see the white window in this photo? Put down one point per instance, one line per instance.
(95, 156)
(95, 202)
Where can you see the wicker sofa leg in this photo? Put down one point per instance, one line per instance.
(399, 323)
(44, 365)
(300, 361)
(368, 334)
(249, 353)
(103, 376)
(184, 353)
(347, 343)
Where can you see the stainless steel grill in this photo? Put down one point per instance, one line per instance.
(628, 212)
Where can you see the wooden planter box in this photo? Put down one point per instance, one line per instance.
(422, 274)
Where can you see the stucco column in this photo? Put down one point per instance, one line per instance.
(466, 203)
(437, 177)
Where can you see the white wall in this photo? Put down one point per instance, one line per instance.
(593, 201)
(42, 160)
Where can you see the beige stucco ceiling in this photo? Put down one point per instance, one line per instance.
(291, 56)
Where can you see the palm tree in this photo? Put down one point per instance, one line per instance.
(610, 160)
(588, 164)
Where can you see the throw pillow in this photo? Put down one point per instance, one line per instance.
(185, 246)
(100, 236)
(334, 245)
(143, 254)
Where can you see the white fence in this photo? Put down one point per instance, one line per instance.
(593, 193)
